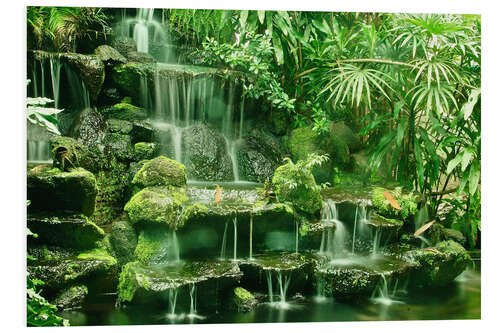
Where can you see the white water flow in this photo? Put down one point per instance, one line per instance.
(141, 28)
(172, 302)
(251, 235)
(361, 221)
(223, 248)
(242, 118)
(283, 281)
(38, 151)
(269, 285)
(80, 96)
(55, 74)
(173, 254)
(383, 294)
(333, 241)
(42, 69)
(354, 229)
(35, 80)
(376, 242)
(235, 239)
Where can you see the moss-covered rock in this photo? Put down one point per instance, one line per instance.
(157, 205)
(127, 77)
(69, 153)
(51, 189)
(439, 265)
(74, 231)
(120, 145)
(142, 131)
(304, 140)
(119, 126)
(305, 196)
(71, 298)
(125, 111)
(123, 240)
(160, 171)
(343, 132)
(408, 203)
(153, 245)
(109, 55)
(88, 127)
(90, 69)
(145, 151)
(243, 300)
(257, 158)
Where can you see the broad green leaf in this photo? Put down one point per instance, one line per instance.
(262, 16)
(453, 163)
(466, 158)
(468, 107)
(474, 176)
(243, 17)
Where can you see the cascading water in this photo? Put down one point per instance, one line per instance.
(235, 239)
(55, 71)
(332, 241)
(383, 294)
(251, 235)
(141, 28)
(192, 309)
(173, 255)
(223, 247)
(361, 220)
(283, 281)
(172, 303)
(38, 151)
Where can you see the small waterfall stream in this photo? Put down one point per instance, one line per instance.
(55, 71)
(283, 281)
(333, 242)
(173, 255)
(251, 235)
(235, 239)
(223, 247)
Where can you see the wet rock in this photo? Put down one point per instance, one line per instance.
(142, 131)
(243, 300)
(145, 284)
(124, 45)
(351, 278)
(125, 111)
(438, 266)
(123, 240)
(257, 159)
(408, 203)
(90, 69)
(145, 151)
(109, 55)
(154, 245)
(141, 57)
(119, 126)
(157, 205)
(109, 96)
(71, 298)
(88, 127)
(119, 144)
(305, 196)
(161, 171)
(73, 231)
(205, 154)
(60, 273)
(51, 189)
(294, 270)
(69, 154)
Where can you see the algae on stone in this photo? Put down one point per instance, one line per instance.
(161, 171)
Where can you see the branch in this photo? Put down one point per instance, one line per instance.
(451, 190)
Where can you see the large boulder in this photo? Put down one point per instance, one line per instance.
(144, 151)
(205, 154)
(71, 298)
(123, 240)
(157, 205)
(109, 55)
(161, 171)
(73, 231)
(140, 57)
(51, 189)
(88, 127)
(124, 45)
(69, 153)
(304, 195)
(119, 144)
(257, 158)
(438, 265)
(243, 300)
(90, 69)
(304, 140)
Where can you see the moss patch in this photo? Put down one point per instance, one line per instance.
(144, 151)
(125, 111)
(161, 171)
(408, 203)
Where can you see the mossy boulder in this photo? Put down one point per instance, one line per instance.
(119, 126)
(142, 131)
(157, 205)
(69, 153)
(125, 111)
(153, 245)
(109, 55)
(304, 140)
(88, 127)
(124, 44)
(71, 298)
(438, 265)
(145, 151)
(90, 69)
(243, 300)
(123, 240)
(257, 158)
(120, 145)
(205, 154)
(73, 231)
(305, 196)
(127, 78)
(160, 171)
(51, 189)
(407, 201)
(343, 132)
(140, 57)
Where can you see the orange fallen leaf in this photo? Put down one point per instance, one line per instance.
(423, 228)
(392, 201)
(218, 193)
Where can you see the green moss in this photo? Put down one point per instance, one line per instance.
(243, 294)
(161, 171)
(151, 246)
(98, 254)
(69, 154)
(408, 203)
(157, 205)
(127, 284)
(304, 195)
(119, 126)
(125, 111)
(144, 151)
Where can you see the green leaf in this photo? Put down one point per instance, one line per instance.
(468, 154)
(474, 176)
(243, 17)
(453, 163)
(262, 15)
(468, 107)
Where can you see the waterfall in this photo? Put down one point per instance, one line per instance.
(172, 302)
(35, 80)
(192, 295)
(251, 235)
(242, 118)
(79, 94)
(361, 221)
(320, 290)
(383, 294)
(235, 240)
(42, 69)
(376, 242)
(223, 248)
(173, 255)
(354, 229)
(332, 241)
(38, 151)
(283, 283)
(269, 285)
(55, 74)
(141, 28)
